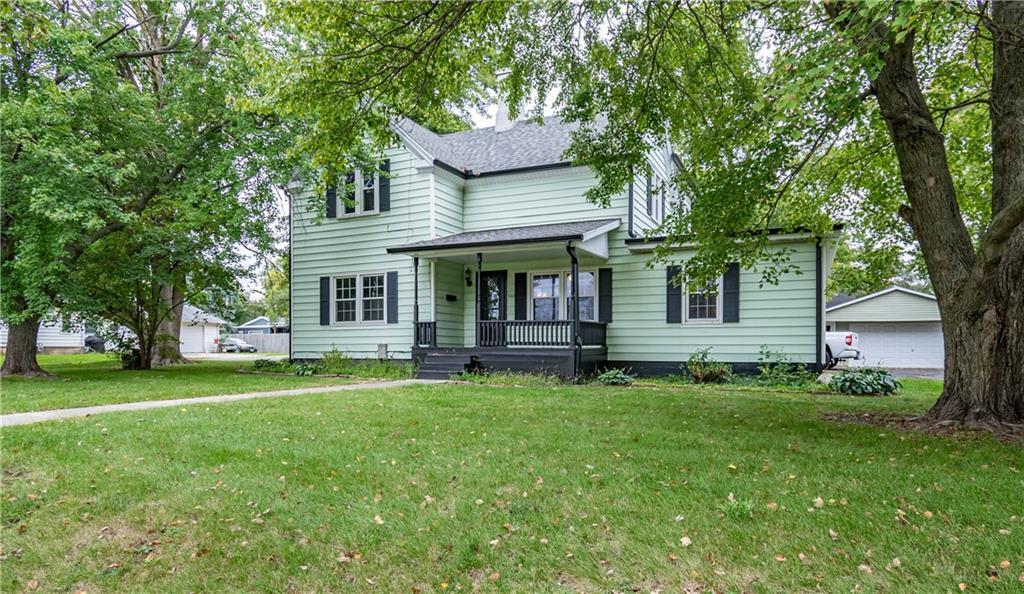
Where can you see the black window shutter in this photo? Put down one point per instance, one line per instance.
(325, 301)
(392, 296)
(604, 295)
(522, 287)
(731, 294)
(650, 197)
(385, 185)
(673, 296)
(332, 202)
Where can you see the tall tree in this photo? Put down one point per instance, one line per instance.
(755, 97)
(110, 108)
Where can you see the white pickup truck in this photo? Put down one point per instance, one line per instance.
(839, 346)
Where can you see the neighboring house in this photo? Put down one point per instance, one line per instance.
(898, 327)
(466, 252)
(261, 325)
(200, 331)
(53, 338)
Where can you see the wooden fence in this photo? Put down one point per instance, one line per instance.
(265, 343)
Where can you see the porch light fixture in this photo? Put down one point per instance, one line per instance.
(469, 278)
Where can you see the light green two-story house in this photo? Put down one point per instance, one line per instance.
(477, 249)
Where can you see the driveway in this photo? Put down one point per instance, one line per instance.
(916, 372)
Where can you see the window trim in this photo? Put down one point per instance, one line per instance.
(719, 302)
(359, 299)
(357, 192)
(563, 298)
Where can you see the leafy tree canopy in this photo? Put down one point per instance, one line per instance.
(765, 102)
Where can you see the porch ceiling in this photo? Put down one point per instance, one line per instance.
(517, 243)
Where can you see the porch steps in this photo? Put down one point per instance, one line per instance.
(443, 365)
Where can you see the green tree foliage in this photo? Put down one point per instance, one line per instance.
(276, 291)
(115, 110)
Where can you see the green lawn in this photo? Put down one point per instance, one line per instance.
(554, 488)
(84, 380)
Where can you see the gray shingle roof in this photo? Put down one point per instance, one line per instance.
(192, 315)
(481, 151)
(511, 235)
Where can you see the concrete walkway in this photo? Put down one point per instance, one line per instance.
(67, 413)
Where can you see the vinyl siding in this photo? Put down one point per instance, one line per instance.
(52, 335)
(896, 306)
(447, 203)
(536, 198)
(450, 280)
(358, 245)
(780, 316)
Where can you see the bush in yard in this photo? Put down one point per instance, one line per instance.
(615, 377)
(703, 369)
(270, 365)
(776, 369)
(309, 369)
(865, 382)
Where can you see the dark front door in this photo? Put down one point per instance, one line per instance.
(493, 285)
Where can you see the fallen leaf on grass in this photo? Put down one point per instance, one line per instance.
(32, 584)
(780, 558)
(378, 520)
(893, 564)
(865, 568)
(1004, 564)
(962, 586)
(772, 505)
(833, 534)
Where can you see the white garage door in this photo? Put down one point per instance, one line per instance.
(192, 339)
(901, 344)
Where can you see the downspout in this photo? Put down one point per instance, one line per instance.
(629, 229)
(818, 306)
(577, 344)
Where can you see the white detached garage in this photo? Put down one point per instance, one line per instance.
(898, 327)
(199, 330)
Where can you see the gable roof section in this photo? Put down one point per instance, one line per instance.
(847, 302)
(484, 151)
(257, 322)
(574, 231)
(894, 304)
(192, 316)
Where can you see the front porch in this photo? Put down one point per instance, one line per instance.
(560, 300)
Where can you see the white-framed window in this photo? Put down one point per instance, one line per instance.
(703, 304)
(345, 299)
(588, 295)
(548, 301)
(546, 296)
(359, 298)
(362, 194)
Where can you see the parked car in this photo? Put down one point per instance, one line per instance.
(840, 346)
(235, 345)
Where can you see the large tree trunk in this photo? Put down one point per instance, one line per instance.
(22, 342)
(167, 348)
(984, 377)
(980, 291)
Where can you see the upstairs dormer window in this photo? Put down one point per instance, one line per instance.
(362, 194)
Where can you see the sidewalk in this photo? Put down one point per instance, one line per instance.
(28, 418)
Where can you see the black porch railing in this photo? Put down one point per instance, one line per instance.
(538, 333)
(426, 334)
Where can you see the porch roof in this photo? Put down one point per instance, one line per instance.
(589, 233)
